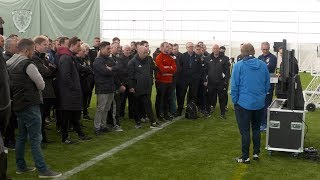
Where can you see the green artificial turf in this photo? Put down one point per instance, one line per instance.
(186, 149)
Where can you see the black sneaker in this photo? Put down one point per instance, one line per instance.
(138, 126)
(255, 157)
(11, 146)
(241, 160)
(49, 174)
(25, 170)
(87, 117)
(85, 138)
(155, 125)
(168, 118)
(206, 115)
(97, 132)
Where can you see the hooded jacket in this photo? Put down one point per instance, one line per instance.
(69, 89)
(250, 82)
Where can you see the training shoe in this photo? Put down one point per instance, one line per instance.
(85, 138)
(49, 174)
(168, 118)
(25, 170)
(206, 115)
(155, 125)
(244, 161)
(87, 117)
(263, 128)
(138, 126)
(68, 141)
(117, 128)
(255, 157)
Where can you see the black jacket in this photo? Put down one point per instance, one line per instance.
(190, 68)
(4, 94)
(93, 52)
(217, 69)
(7, 55)
(86, 74)
(122, 69)
(102, 76)
(141, 75)
(68, 81)
(47, 72)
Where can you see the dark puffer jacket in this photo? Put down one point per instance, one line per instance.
(68, 82)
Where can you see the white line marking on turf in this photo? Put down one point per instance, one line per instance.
(113, 151)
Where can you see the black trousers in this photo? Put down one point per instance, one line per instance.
(86, 98)
(123, 100)
(192, 92)
(143, 106)
(202, 95)
(214, 90)
(74, 118)
(164, 93)
(9, 136)
(3, 161)
(45, 108)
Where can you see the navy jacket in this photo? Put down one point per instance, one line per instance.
(103, 77)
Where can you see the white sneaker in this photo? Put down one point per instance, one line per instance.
(117, 128)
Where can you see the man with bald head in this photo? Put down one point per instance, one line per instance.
(250, 83)
(217, 74)
(141, 69)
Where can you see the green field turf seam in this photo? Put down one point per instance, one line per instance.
(113, 151)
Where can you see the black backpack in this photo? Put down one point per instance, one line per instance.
(191, 111)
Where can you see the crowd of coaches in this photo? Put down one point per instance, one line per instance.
(61, 74)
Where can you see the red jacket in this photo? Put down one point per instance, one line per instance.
(166, 68)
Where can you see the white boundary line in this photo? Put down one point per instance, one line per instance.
(113, 151)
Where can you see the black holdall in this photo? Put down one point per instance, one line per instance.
(191, 111)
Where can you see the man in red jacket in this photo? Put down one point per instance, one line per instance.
(166, 68)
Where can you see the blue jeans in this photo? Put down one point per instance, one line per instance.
(244, 118)
(29, 124)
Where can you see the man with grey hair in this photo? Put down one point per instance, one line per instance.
(190, 75)
(250, 83)
(10, 46)
(271, 61)
(124, 78)
(9, 136)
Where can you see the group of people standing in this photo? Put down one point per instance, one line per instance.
(61, 74)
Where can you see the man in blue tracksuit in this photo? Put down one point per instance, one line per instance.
(271, 61)
(250, 82)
